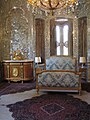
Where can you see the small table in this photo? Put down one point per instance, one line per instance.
(83, 73)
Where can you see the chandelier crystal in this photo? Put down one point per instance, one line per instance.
(54, 4)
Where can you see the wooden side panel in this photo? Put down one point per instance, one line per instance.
(28, 71)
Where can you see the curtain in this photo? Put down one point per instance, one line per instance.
(82, 36)
(40, 38)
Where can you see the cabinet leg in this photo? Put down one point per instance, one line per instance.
(22, 81)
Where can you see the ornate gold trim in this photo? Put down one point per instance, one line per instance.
(15, 72)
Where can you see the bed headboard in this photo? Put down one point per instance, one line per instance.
(61, 63)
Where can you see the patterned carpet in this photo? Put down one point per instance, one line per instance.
(51, 106)
(9, 88)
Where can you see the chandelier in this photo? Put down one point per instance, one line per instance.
(54, 4)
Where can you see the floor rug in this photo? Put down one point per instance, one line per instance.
(9, 88)
(51, 106)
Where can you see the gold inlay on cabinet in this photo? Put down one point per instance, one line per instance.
(20, 70)
(15, 72)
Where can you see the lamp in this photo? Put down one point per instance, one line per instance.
(82, 61)
(54, 4)
(37, 60)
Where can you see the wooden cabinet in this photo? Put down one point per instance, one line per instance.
(88, 72)
(17, 70)
(0, 71)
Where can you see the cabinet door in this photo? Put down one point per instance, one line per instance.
(6, 71)
(15, 71)
(28, 71)
(1, 71)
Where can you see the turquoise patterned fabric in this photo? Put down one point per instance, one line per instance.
(58, 79)
(61, 63)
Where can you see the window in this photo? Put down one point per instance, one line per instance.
(61, 37)
(62, 41)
